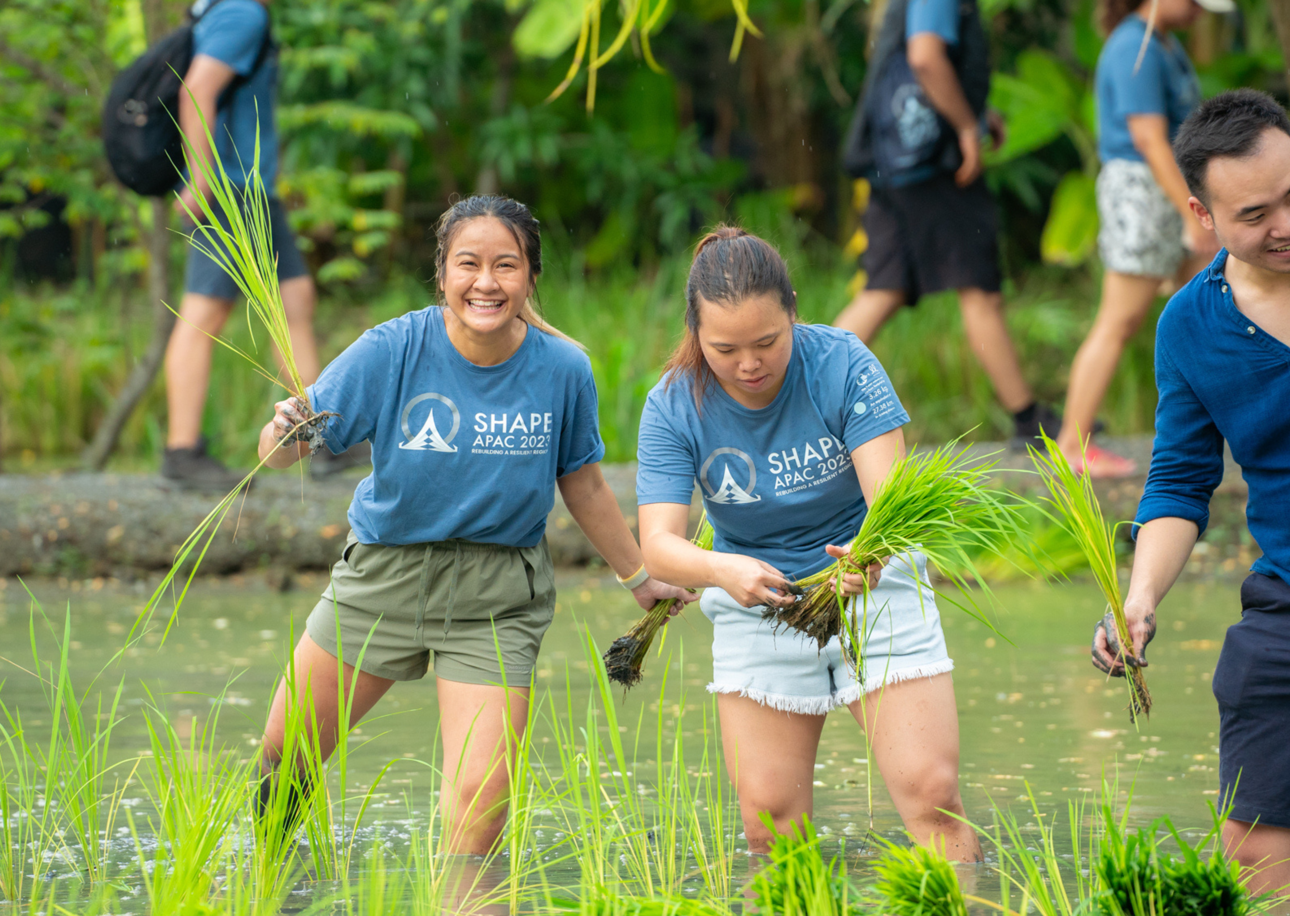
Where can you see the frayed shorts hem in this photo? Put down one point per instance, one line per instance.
(822, 705)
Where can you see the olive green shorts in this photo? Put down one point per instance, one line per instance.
(480, 609)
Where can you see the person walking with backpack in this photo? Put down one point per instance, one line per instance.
(231, 83)
(931, 220)
(1144, 92)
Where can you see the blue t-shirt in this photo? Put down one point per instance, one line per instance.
(458, 450)
(940, 17)
(1220, 376)
(232, 32)
(1165, 84)
(778, 483)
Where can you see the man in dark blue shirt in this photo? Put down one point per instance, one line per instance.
(1223, 373)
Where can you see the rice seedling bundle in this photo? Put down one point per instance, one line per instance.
(626, 655)
(798, 882)
(1140, 879)
(938, 503)
(918, 881)
(1075, 507)
(233, 228)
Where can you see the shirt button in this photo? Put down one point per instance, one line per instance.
(1224, 287)
(1250, 329)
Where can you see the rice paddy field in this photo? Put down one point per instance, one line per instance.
(619, 792)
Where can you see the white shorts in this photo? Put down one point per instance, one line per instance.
(1141, 231)
(788, 671)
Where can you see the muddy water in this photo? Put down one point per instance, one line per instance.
(1033, 712)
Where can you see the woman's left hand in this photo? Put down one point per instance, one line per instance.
(652, 591)
(854, 583)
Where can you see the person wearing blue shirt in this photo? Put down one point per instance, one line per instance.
(476, 410)
(232, 83)
(788, 429)
(930, 220)
(1145, 88)
(1223, 374)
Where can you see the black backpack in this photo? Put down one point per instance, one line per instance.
(140, 120)
(896, 136)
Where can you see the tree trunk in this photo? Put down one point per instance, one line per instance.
(1280, 10)
(140, 380)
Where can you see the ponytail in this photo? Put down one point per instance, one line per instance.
(522, 224)
(730, 265)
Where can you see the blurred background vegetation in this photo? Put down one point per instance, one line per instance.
(390, 108)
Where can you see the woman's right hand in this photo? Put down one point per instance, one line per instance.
(287, 416)
(750, 582)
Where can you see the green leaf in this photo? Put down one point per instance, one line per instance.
(1039, 103)
(548, 29)
(342, 268)
(1070, 234)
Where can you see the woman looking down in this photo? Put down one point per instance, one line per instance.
(789, 429)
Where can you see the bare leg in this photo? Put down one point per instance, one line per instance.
(914, 731)
(1264, 854)
(770, 756)
(869, 311)
(298, 300)
(481, 727)
(1126, 300)
(188, 365)
(317, 677)
(987, 335)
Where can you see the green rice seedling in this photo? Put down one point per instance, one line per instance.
(713, 811)
(798, 882)
(1030, 861)
(604, 901)
(626, 655)
(76, 761)
(1139, 878)
(26, 822)
(197, 788)
(936, 502)
(918, 881)
(235, 230)
(1075, 507)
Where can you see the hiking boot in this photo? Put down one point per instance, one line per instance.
(326, 463)
(193, 469)
(1044, 419)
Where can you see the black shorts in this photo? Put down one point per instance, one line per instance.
(932, 236)
(205, 276)
(1252, 686)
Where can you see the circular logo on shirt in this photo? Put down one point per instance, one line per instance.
(861, 407)
(429, 439)
(729, 491)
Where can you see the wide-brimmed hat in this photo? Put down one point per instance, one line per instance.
(1216, 6)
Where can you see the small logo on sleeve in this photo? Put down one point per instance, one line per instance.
(729, 491)
(429, 438)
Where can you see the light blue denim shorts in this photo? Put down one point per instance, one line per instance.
(788, 671)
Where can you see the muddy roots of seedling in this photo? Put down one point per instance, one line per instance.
(625, 658)
(311, 431)
(816, 613)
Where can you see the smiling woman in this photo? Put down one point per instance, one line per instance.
(447, 558)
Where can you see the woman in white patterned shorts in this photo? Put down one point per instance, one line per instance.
(1147, 232)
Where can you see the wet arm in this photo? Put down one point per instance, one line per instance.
(668, 552)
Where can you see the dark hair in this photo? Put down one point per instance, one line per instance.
(730, 265)
(1111, 13)
(1229, 125)
(519, 221)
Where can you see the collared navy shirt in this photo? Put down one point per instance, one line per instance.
(1220, 376)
